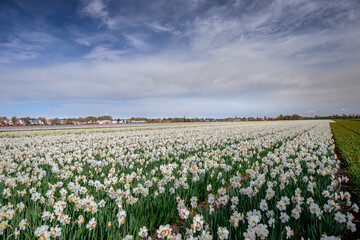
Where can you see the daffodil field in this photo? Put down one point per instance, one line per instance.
(263, 180)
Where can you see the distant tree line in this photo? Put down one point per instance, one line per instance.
(334, 116)
(94, 119)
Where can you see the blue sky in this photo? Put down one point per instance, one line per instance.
(166, 58)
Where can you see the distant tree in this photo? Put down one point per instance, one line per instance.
(13, 119)
(280, 117)
(55, 121)
(105, 117)
(295, 117)
(27, 120)
(91, 118)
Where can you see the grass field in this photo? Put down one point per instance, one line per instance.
(267, 180)
(347, 137)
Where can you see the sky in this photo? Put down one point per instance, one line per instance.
(170, 58)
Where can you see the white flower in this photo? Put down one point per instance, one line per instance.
(47, 216)
(284, 217)
(16, 233)
(263, 205)
(253, 220)
(102, 203)
(355, 207)
(281, 205)
(351, 226)
(20, 206)
(235, 200)
(324, 237)
(315, 209)
(193, 201)
(211, 198)
(80, 220)
(339, 217)
(261, 231)
(55, 231)
(176, 237)
(205, 235)
(250, 234)
(3, 226)
(289, 232)
(64, 219)
(295, 213)
(22, 224)
(121, 215)
(42, 232)
(63, 192)
(271, 222)
(198, 223)
(143, 232)
(92, 224)
(184, 213)
(9, 214)
(222, 191)
(164, 231)
(223, 233)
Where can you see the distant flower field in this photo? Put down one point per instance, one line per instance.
(268, 180)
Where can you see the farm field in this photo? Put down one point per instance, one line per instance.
(263, 180)
(347, 136)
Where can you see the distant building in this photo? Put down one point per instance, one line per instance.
(210, 120)
(103, 121)
(47, 121)
(75, 122)
(6, 122)
(20, 122)
(36, 122)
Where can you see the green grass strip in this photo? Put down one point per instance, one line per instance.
(348, 141)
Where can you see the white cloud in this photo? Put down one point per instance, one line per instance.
(163, 28)
(137, 41)
(83, 42)
(98, 9)
(93, 39)
(17, 49)
(101, 53)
